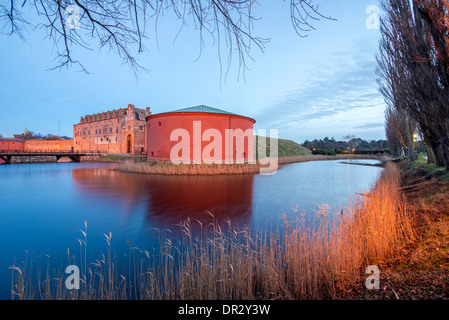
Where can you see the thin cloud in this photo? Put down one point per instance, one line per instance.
(371, 126)
(58, 100)
(332, 98)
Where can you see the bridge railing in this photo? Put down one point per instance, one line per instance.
(54, 152)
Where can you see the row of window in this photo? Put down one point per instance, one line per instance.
(106, 139)
(97, 131)
(101, 131)
(100, 117)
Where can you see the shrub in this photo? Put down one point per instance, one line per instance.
(324, 152)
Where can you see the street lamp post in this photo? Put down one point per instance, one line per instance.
(415, 138)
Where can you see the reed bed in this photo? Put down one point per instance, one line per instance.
(168, 168)
(308, 256)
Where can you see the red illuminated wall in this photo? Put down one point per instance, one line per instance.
(11, 144)
(160, 127)
(37, 145)
(116, 131)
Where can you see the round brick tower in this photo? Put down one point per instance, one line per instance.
(200, 134)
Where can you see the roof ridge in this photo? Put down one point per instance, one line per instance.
(202, 108)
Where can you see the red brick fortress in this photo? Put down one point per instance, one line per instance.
(213, 135)
(117, 131)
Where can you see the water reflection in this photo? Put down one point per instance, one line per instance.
(171, 199)
(44, 205)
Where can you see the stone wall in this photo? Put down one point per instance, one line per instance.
(48, 159)
(33, 159)
(89, 158)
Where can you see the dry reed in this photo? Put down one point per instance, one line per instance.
(168, 168)
(313, 256)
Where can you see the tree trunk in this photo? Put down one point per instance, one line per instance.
(439, 155)
(430, 154)
(446, 152)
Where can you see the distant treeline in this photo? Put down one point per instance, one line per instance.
(350, 144)
(29, 135)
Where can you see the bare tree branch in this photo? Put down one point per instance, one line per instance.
(121, 25)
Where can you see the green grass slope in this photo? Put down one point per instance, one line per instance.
(286, 148)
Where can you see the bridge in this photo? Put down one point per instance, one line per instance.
(75, 156)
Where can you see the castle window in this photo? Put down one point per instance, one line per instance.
(96, 131)
(116, 130)
(129, 127)
(110, 130)
(160, 123)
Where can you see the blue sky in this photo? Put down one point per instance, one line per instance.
(322, 85)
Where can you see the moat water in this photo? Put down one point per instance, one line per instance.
(43, 206)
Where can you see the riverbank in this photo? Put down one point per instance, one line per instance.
(420, 270)
(296, 159)
(167, 168)
(309, 255)
(50, 159)
(137, 165)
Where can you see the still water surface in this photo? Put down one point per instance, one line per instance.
(43, 206)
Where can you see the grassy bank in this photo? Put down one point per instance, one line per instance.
(295, 159)
(167, 168)
(288, 152)
(420, 270)
(310, 256)
(286, 148)
(119, 158)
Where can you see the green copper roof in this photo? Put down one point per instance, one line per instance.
(202, 108)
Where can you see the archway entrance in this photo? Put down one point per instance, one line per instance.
(129, 144)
